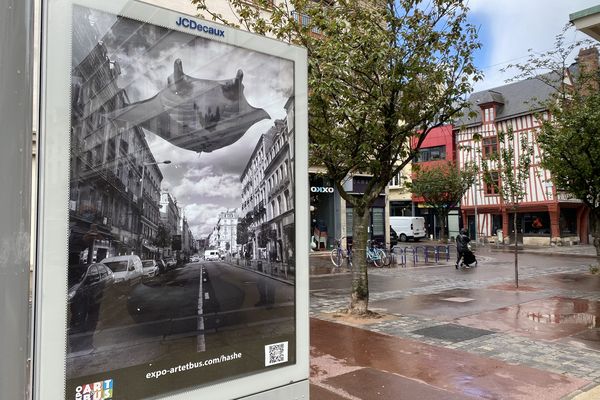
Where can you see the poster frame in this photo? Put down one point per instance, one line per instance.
(50, 301)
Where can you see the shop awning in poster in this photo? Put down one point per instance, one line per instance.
(195, 114)
(153, 249)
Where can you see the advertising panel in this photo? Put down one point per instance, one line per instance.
(180, 260)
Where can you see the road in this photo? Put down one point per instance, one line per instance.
(197, 307)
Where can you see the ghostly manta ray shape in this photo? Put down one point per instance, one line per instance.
(195, 114)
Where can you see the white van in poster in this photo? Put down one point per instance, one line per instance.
(151, 125)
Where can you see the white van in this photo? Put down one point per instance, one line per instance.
(408, 227)
(211, 255)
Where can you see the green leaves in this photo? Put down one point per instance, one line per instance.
(379, 72)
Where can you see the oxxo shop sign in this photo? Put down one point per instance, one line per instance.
(321, 189)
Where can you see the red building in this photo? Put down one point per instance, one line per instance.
(438, 148)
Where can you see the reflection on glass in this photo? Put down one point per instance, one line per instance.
(181, 215)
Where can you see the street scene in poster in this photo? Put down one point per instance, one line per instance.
(181, 217)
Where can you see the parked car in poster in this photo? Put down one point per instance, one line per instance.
(127, 270)
(89, 285)
(150, 268)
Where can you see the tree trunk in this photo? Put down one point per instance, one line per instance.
(443, 217)
(596, 232)
(516, 249)
(360, 282)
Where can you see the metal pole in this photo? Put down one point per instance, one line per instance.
(475, 194)
(16, 91)
(476, 215)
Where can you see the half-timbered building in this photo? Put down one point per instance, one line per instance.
(546, 215)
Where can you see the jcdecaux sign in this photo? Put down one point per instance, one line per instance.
(196, 26)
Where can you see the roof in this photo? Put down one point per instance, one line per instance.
(584, 13)
(513, 99)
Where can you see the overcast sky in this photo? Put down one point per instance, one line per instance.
(508, 28)
(207, 183)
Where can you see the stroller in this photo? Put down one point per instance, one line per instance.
(469, 260)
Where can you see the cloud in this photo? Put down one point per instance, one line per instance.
(204, 183)
(514, 26)
(203, 217)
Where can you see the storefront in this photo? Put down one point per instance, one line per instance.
(324, 214)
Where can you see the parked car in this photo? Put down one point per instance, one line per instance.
(171, 262)
(127, 270)
(150, 268)
(162, 265)
(89, 286)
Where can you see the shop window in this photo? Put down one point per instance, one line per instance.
(537, 223)
(568, 222)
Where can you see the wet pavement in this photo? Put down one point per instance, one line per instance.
(367, 365)
(442, 320)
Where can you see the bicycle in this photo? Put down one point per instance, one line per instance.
(338, 254)
(375, 255)
(383, 253)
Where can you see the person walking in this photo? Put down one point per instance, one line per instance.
(461, 246)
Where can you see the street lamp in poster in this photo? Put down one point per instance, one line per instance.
(181, 248)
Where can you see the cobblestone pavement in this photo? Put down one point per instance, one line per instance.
(563, 358)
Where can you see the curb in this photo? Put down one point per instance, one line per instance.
(589, 392)
(262, 273)
(553, 254)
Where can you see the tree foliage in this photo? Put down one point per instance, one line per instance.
(441, 187)
(163, 237)
(379, 74)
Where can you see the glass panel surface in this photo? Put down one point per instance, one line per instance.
(173, 138)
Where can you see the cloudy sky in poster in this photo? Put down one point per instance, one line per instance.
(206, 183)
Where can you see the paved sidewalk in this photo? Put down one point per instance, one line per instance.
(546, 331)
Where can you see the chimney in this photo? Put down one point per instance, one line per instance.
(587, 60)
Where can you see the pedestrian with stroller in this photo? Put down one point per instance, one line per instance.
(461, 246)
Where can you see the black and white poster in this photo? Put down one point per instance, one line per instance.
(181, 247)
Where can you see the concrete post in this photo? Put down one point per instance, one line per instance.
(16, 77)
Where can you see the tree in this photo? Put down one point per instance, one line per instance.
(380, 73)
(163, 237)
(570, 138)
(507, 172)
(441, 187)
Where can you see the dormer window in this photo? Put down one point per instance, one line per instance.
(489, 114)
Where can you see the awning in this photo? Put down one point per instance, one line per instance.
(153, 249)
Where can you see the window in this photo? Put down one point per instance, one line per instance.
(491, 188)
(431, 154)
(489, 146)
(304, 20)
(488, 114)
(396, 180)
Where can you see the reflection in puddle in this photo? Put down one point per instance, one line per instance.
(576, 318)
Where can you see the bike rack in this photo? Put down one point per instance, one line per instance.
(435, 252)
